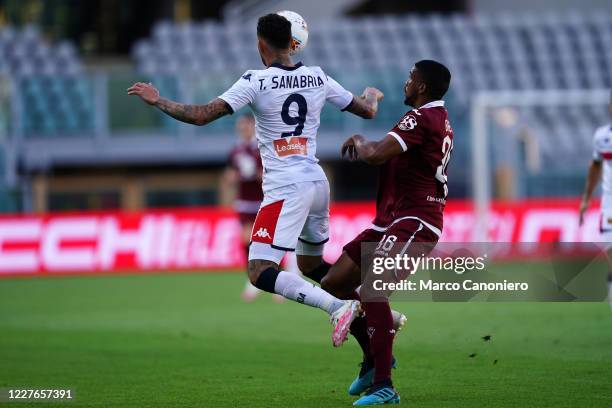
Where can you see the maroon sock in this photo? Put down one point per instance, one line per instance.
(380, 331)
(359, 330)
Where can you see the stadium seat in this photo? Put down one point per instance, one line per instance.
(511, 50)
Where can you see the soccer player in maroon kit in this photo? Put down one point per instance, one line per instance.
(412, 190)
(244, 170)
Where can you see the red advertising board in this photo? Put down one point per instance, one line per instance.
(209, 238)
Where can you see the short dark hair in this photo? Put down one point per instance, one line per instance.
(275, 30)
(436, 77)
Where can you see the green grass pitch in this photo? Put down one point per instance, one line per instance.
(187, 340)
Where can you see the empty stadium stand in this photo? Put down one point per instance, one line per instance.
(518, 51)
(58, 112)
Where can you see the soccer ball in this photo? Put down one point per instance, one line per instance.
(299, 30)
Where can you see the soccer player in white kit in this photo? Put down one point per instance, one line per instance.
(602, 163)
(286, 100)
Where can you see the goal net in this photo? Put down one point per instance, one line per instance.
(531, 144)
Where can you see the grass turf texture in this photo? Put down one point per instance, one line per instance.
(187, 340)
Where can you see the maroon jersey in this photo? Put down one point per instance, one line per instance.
(245, 159)
(413, 184)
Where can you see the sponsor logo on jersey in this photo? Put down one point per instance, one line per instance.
(289, 146)
(408, 123)
(262, 233)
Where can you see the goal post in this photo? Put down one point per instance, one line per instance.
(481, 104)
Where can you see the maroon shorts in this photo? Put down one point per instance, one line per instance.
(408, 231)
(247, 218)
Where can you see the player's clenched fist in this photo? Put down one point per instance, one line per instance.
(375, 92)
(147, 92)
(348, 148)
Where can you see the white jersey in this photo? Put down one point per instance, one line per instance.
(287, 104)
(602, 151)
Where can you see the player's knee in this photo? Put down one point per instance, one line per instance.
(255, 269)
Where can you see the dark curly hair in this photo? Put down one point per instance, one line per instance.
(274, 30)
(436, 76)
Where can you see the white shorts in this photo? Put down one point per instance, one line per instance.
(291, 218)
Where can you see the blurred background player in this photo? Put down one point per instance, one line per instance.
(602, 164)
(241, 185)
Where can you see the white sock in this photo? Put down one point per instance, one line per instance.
(295, 288)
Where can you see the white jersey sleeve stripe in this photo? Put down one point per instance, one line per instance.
(399, 140)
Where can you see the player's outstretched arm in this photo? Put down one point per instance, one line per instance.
(591, 182)
(366, 105)
(194, 114)
(371, 152)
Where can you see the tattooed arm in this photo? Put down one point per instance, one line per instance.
(366, 105)
(194, 114)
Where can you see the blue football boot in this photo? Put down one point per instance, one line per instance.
(379, 395)
(365, 377)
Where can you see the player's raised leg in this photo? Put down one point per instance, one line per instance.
(279, 223)
(267, 275)
(309, 251)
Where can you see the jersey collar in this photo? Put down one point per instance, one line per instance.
(433, 104)
(286, 68)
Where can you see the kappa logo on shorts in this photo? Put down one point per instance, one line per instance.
(262, 233)
(289, 146)
(265, 223)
